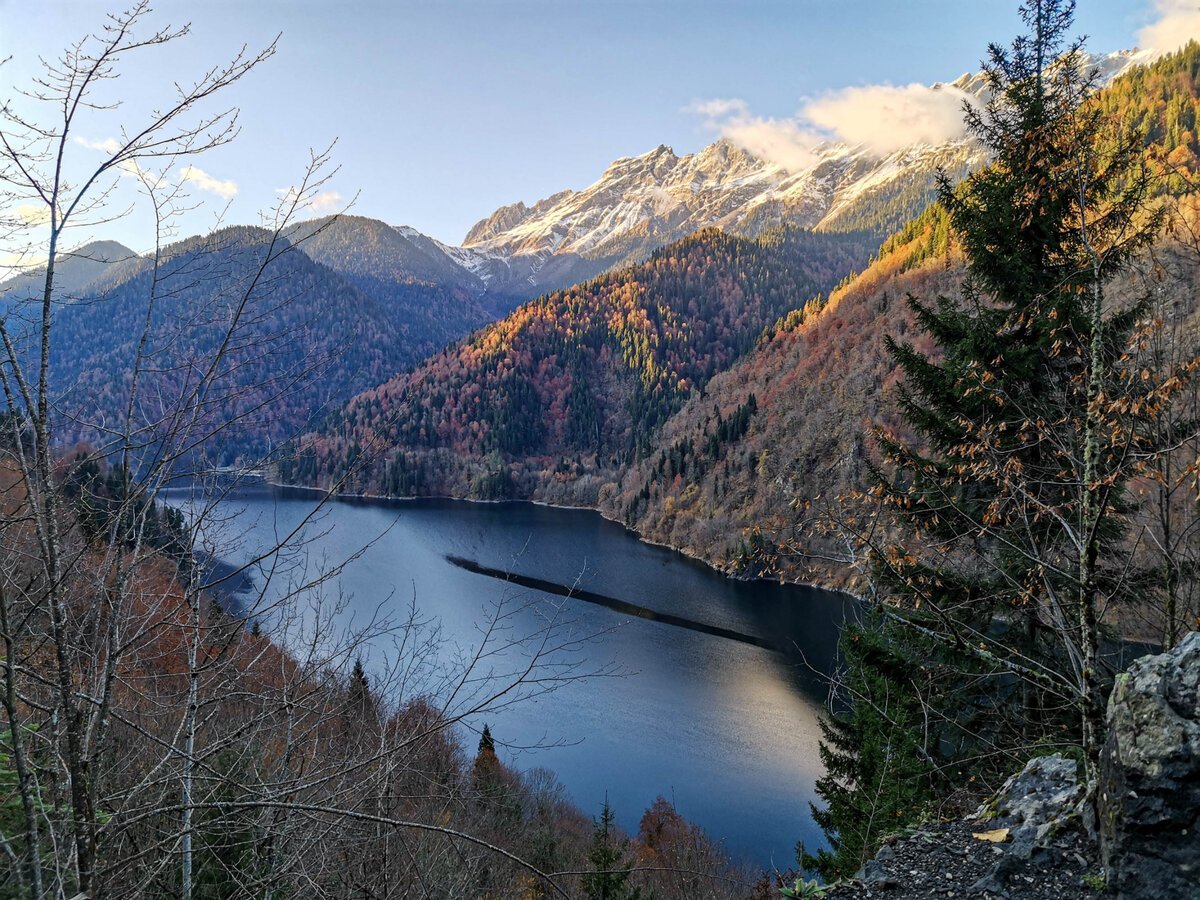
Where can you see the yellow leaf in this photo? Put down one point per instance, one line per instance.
(995, 836)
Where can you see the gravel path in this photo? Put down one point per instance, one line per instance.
(946, 861)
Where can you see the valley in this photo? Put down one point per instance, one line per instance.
(692, 531)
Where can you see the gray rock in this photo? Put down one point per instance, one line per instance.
(1037, 799)
(874, 875)
(990, 884)
(1149, 791)
(1033, 803)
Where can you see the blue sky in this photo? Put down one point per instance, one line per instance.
(445, 110)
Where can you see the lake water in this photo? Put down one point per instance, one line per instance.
(715, 708)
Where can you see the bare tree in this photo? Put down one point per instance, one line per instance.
(158, 743)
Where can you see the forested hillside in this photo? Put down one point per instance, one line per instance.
(439, 297)
(282, 324)
(786, 426)
(586, 374)
(76, 273)
(630, 393)
(300, 338)
(823, 377)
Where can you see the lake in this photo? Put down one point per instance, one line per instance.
(712, 701)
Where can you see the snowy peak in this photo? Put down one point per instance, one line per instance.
(1107, 66)
(640, 202)
(509, 217)
(503, 219)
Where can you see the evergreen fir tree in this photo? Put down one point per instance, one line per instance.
(1006, 416)
(486, 768)
(610, 874)
(360, 704)
(1008, 501)
(876, 772)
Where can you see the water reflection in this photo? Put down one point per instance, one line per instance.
(726, 728)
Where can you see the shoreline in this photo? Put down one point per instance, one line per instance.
(694, 557)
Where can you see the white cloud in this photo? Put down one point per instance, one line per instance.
(882, 117)
(31, 214)
(1178, 22)
(322, 202)
(782, 141)
(127, 167)
(885, 118)
(720, 108)
(108, 145)
(325, 201)
(206, 182)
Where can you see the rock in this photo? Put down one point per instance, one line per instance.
(990, 884)
(1030, 806)
(1037, 799)
(1149, 790)
(874, 875)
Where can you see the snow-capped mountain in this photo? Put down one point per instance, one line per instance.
(642, 202)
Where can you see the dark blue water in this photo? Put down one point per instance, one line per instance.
(724, 727)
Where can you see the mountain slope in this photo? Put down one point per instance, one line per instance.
(822, 377)
(729, 468)
(302, 339)
(75, 273)
(587, 373)
(370, 249)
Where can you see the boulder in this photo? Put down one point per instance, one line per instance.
(1149, 790)
(1029, 809)
(1037, 799)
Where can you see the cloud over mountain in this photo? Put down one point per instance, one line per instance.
(885, 118)
(882, 118)
(206, 182)
(1178, 22)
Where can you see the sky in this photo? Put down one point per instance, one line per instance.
(444, 110)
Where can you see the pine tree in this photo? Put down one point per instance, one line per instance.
(609, 872)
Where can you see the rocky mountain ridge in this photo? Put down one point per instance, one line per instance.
(642, 202)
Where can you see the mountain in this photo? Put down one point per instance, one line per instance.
(370, 249)
(643, 395)
(642, 202)
(745, 498)
(820, 377)
(76, 273)
(305, 338)
(587, 374)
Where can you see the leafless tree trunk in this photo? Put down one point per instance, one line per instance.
(156, 715)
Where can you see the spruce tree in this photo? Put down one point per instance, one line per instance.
(1008, 499)
(876, 771)
(1030, 416)
(609, 876)
(360, 702)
